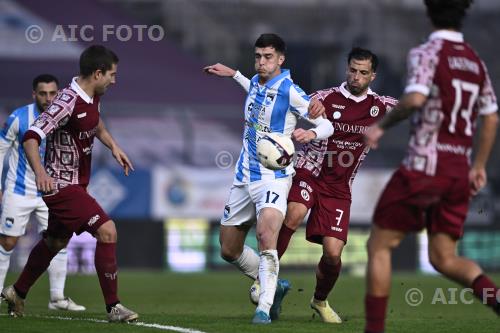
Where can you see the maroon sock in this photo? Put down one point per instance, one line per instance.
(326, 278)
(375, 308)
(283, 239)
(107, 271)
(486, 291)
(38, 262)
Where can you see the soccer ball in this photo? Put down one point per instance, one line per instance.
(254, 292)
(275, 151)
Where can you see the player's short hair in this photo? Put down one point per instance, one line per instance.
(271, 40)
(96, 57)
(44, 78)
(447, 13)
(359, 53)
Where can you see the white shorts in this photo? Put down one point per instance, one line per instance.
(246, 200)
(16, 212)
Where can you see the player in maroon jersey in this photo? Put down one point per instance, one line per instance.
(70, 124)
(326, 169)
(448, 87)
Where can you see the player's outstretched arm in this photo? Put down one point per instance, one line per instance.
(105, 137)
(477, 175)
(220, 70)
(224, 71)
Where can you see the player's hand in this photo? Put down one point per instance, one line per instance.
(219, 70)
(373, 135)
(44, 183)
(303, 136)
(477, 179)
(122, 159)
(316, 109)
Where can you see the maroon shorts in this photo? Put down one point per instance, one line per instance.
(412, 201)
(329, 216)
(71, 210)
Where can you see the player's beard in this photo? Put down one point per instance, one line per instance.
(356, 90)
(41, 107)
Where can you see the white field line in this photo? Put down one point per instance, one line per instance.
(139, 323)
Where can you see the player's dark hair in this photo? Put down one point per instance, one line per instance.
(271, 40)
(44, 78)
(447, 13)
(96, 57)
(363, 54)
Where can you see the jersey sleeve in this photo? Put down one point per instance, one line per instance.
(389, 103)
(487, 101)
(299, 104)
(7, 137)
(55, 116)
(242, 80)
(422, 64)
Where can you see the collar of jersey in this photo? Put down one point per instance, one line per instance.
(80, 92)
(452, 36)
(285, 73)
(348, 95)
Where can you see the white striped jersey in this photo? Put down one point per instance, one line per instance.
(20, 177)
(273, 107)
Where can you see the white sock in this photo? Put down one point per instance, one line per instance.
(57, 275)
(4, 264)
(248, 262)
(268, 277)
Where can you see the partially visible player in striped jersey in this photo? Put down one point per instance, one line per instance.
(448, 88)
(21, 198)
(326, 170)
(273, 104)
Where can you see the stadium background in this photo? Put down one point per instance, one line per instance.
(182, 129)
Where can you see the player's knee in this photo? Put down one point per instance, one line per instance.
(8, 242)
(107, 233)
(56, 244)
(440, 261)
(332, 258)
(294, 216)
(229, 254)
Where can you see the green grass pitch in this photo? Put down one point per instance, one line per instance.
(217, 302)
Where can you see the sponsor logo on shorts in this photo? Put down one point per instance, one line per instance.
(9, 222)
(305, 195)
(336, 229)
(93, 220)
(111, 276)
(227, 211)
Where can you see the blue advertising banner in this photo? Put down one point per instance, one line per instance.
(121, 196)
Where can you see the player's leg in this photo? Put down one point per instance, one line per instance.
(378, 275)
(38, 262)
(445, 224)
(239, 212)
(301, 198)
(7, 244)
(327, 273)
(13, 220)
(328, 225)
(270, 200)
(295, 214)
(443, 257)
(58, 267)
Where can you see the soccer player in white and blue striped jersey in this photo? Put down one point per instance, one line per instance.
(20, 197)
(273, 104)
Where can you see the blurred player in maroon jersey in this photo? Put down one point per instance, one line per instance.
(448, 87)
(326, 170)
(70, 125)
